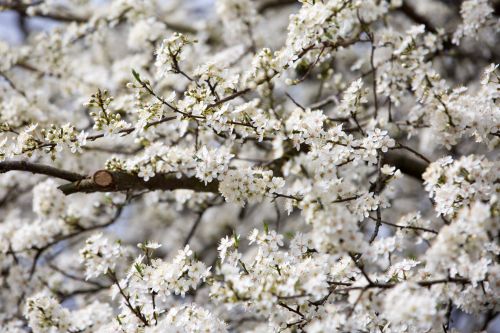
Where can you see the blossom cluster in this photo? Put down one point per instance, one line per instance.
(249, 185)
(99, 256)
(205, 164)
(455, 184)
(45, 314)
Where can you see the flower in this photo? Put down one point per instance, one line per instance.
(224, 244)
(99, 255)
(475, 14)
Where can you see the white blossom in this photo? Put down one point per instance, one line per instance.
(474, 14)
(99, 255)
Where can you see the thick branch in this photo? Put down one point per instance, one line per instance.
(42, 169)
(416, 17)
(275, 4)
(107, 181)
(408, 165)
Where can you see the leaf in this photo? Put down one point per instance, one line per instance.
(136, 76)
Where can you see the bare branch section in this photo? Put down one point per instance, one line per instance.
(408, 165)
(409, 11)
(41, 169)
(275, 4)
(107, 181)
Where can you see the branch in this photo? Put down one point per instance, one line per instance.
(94, 137)
(378, 189)
(42, 169)
(180, 27)
(135, 310)
(41, 250)
(275, 4)
(408, 165)
(108, 181)
(193, 228)
(114, 181)
(416, 17)
(405, 226)
(424, 283)
(63, 17)
(359, 264)
(325, 102)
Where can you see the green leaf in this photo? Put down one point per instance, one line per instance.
(136, 76)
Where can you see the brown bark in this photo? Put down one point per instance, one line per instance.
(42, 169)
(108, 181)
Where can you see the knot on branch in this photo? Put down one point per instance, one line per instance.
(103, 178)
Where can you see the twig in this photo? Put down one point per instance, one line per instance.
(361, 267)
(405, 226)
(378, 189)
(126, 297)
(193, 228)
(374, 69)
(294, 101)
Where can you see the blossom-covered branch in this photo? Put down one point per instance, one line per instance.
(250, 166)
